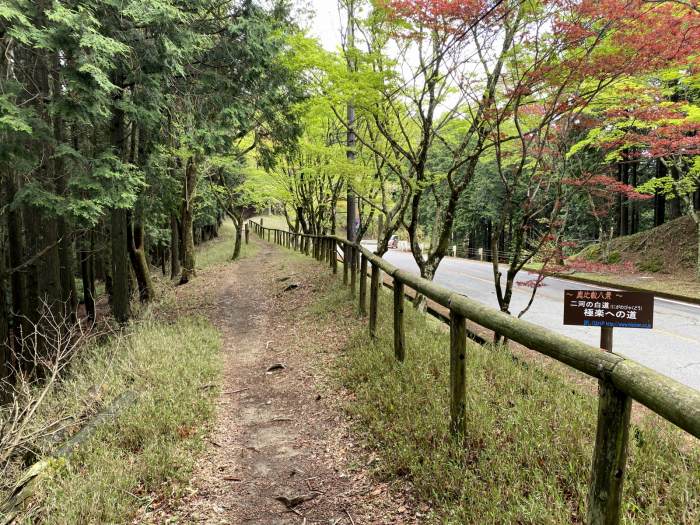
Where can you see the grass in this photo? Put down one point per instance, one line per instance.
(219, 250)
(272, 221)
(527, 452)
(659, 283)
(149, 447)
(148, 451)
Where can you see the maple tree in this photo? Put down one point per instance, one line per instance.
(556, 59)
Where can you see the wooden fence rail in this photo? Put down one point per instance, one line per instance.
(620, 379)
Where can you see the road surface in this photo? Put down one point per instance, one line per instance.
(672, 347)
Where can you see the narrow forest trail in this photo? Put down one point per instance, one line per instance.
(278, 434)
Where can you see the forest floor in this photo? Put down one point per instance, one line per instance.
(279, 434)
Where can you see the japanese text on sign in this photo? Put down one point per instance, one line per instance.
(608, 308)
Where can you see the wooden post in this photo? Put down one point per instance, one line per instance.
(363, 287)
(346, 262)
(331, 253)
(334, 256)
(247, 234)
(458, 372)
(610, 453)
(373, 300)
(399, 339)
(261, 222)
(353, 271)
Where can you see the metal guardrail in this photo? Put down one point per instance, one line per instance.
(620, 379)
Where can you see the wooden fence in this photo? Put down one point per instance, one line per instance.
(620, 379)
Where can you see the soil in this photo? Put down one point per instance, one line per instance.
(279, 434)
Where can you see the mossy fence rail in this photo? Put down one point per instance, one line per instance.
(620, 379)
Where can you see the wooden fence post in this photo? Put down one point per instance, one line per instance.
(610, 453)
(363, 286)
(331, 246)
(399, 336)
(373, 300)
(458, 372)
(334, 256)
(346, 261)
(353, 271)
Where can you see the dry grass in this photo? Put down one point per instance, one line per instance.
(527, 452)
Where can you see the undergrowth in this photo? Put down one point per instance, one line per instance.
(220, 249)
(149, 447)
(526, 455)
(148, 450)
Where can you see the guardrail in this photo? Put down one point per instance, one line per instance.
(620, 379)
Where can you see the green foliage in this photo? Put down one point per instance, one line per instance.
(614, 258)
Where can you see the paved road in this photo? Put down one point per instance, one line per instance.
(672, 347)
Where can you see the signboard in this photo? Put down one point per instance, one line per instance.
(608, 308)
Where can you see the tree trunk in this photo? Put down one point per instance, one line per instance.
(238, 223)
(674, 208)
(174, 247)
(5, 342)
(16, 248)
(120, 267)
(188, 262)
(119, 256)
(625, 210)
(660, 198)
(87, 271)
(697, 268)
(635, 204)
(137, 255)
(163, 260)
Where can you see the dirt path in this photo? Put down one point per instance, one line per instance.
(277, 433)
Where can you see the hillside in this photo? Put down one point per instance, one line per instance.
(664, 259)
(667, 249)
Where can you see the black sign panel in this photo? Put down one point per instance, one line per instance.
(608, 308)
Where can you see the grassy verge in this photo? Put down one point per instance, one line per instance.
(148, 448)
(658, 283)
(220, 249)
(272, 221)
(527, 453)
(148, 451)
